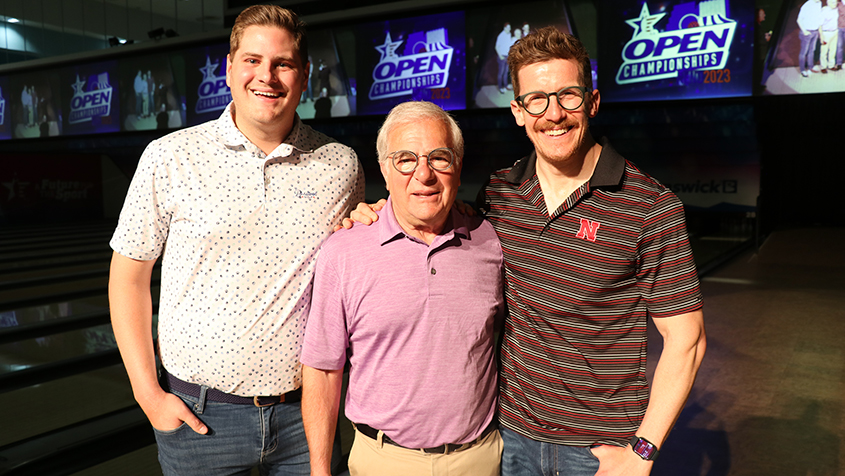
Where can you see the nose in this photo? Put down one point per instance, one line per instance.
(265, 73)
(424, 173)
(554, 112)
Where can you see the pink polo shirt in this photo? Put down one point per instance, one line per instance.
(416, 322)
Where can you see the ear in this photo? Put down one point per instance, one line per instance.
(517, 114)
(384, 171)
(228, 69)
(595, 100)
(305, 75)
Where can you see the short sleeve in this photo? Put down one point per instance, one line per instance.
(326, 334)
(145, 218)
(666, 274)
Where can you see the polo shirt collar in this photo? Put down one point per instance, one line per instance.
(234, 139)
(390, 229)
(608, 173)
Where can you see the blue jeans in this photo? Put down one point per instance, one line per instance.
(240, 438)
(525, 457)
(840, 45)
(502, 75)
(806, 57)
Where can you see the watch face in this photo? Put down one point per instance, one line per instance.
(643, 448)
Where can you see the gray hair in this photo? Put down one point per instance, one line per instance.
(412, 112)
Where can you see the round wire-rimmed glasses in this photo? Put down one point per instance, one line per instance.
(536, 102)
(406, 161)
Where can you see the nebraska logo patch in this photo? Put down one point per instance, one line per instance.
(588, 230)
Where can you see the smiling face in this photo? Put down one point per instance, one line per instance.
(557, 134)
(421, 200)
(267, 78)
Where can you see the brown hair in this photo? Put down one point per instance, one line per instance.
(271, 15)
(546, 44)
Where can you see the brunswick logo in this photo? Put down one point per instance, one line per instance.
(91, 101)
(213, 94)
(427, 65)
(696, 41)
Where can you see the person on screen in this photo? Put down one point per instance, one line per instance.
(593, 247)
(26, 105)
(140, 87)
(809, 23)
(308, 94)
(503, 44)
(323, 105)
(241, 204)
(151, 110)
(413, 302)
(761, 49)
(829, 35)
(840, 41)
(324, 73)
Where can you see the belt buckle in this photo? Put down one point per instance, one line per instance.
(257, 403)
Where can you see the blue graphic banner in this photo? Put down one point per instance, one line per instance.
(420, 58)
(91, 97)
(676, 49)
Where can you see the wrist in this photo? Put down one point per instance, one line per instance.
(643, 448)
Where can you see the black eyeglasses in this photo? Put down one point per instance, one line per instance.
(536, 102)
(406, 161)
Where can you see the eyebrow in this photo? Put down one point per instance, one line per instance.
(275, 58)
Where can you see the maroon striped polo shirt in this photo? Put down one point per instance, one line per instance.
(579, 287)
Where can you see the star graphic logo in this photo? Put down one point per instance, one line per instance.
(644, 25)
(15, 187)
(209, 69)
(78, 86)
(388, 49)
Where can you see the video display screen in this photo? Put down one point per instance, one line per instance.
(676, 49)
(821, 71)
(36, 105)
(91, 98)
(420, 58)
(5, 113)
(206, 91)
(329, 92)
(149, 95)
(490, 33)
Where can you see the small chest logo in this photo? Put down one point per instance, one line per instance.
(304, 194)
(588, 230)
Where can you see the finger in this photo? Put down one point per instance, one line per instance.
(378, 206)
(195, 423)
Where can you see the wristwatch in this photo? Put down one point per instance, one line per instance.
(644, 448)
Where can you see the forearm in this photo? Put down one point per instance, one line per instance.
(130, 305)
(683, 350)
(320, 404)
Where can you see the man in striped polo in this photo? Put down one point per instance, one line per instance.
(592, 247)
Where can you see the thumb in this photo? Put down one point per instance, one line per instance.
(195, 423)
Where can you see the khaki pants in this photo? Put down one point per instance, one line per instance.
(371, 457)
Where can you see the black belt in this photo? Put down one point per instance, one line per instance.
(371, 432)
(193, 390)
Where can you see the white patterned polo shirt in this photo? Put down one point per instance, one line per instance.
(242, 230)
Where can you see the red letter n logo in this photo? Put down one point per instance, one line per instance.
(588, 229)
